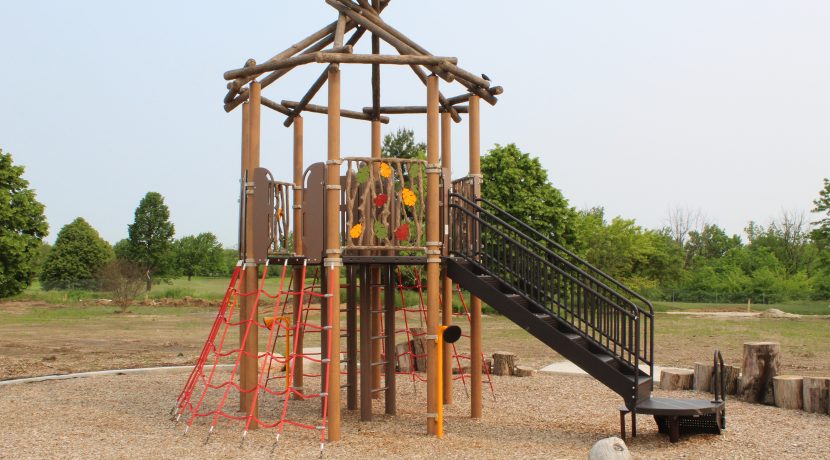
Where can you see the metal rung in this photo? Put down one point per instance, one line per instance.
(375, 337)
(380, 363)
(345, 385)
(378, 390)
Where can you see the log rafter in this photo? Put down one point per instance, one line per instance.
(363, 16)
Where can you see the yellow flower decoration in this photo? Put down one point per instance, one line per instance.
(356, 231)
(409, 197)
(385, 170)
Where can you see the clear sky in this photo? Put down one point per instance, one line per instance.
(637, 106)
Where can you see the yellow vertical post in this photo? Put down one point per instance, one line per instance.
(475, 302)
(433, 246)
(333, 261)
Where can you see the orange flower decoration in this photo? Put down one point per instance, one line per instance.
(385, 170)
(409, 198)
(356, 231)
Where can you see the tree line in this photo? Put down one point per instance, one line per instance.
(688, 259)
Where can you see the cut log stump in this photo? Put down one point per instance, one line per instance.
(504, 363)
(404, 359)
(525, 371)
(703, 377)
(731, 374)
(676, 379)
(817, 394)
(760, 365)
(788, 391)
(419, 348)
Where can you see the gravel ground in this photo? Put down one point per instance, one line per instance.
(545, 416)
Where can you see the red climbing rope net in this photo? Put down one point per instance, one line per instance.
(293, 314)
(207, 390)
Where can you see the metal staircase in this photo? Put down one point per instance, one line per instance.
(584, 314)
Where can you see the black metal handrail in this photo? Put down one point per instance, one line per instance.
(609, 281)
(596, 310)
(575, 259)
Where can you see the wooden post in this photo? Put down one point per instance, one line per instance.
(475, 302)
(760, 365)
(703, 377)
(446, 295)
(391, 353)
(249, 367)
(297, 379)
(816, 394)
(365, 346)
(243, 233)
(377, 302)
(333, 261)
(788, 391)
(433, 252)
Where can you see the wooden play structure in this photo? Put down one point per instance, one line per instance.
(354, 222)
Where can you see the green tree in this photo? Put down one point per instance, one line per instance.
(199, 255)
(518, 183)
(401, 144)
(151, 238)
(710, 243)
(76, 259)
(22, 227)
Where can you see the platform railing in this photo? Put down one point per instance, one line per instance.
(384, 204)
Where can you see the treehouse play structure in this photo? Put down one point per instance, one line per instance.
(369, 226)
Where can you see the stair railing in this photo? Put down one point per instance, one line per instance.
(564, 289)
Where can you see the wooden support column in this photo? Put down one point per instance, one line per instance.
(365, 346)
(475, 302)
(249, 368)
(433, 252)
(243, 234)
(297, 369)
(377, 302)
(333, 261)
(391, 357)
(351, 339)
(446, 294)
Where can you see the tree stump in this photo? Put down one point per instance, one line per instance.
(404, 360)
(612, 448)
(817, 394)
(676, 379)
(760, 365)
(419, 348)
(503, 363)
(525, 371)
(788, 391)
(731, 374)
(703, 377)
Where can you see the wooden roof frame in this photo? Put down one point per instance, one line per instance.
(327, 46)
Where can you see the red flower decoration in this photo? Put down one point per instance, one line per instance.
(381, 199)
(402, 233)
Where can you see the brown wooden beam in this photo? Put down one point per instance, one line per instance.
(441, 99)
(410, 109)
(494, 91)
(343, 113)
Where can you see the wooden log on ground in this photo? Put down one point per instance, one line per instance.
(731, 374)
(816, 394)
(525, 371)
(403, 358)
(504, 363)
(703, 377)
(760, 365)
(788, 391)
(676, 379)
(419, 348)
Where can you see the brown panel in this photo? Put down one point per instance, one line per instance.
(313, 212)
(263, 213)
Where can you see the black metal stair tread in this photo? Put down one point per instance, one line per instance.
(605, 357)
